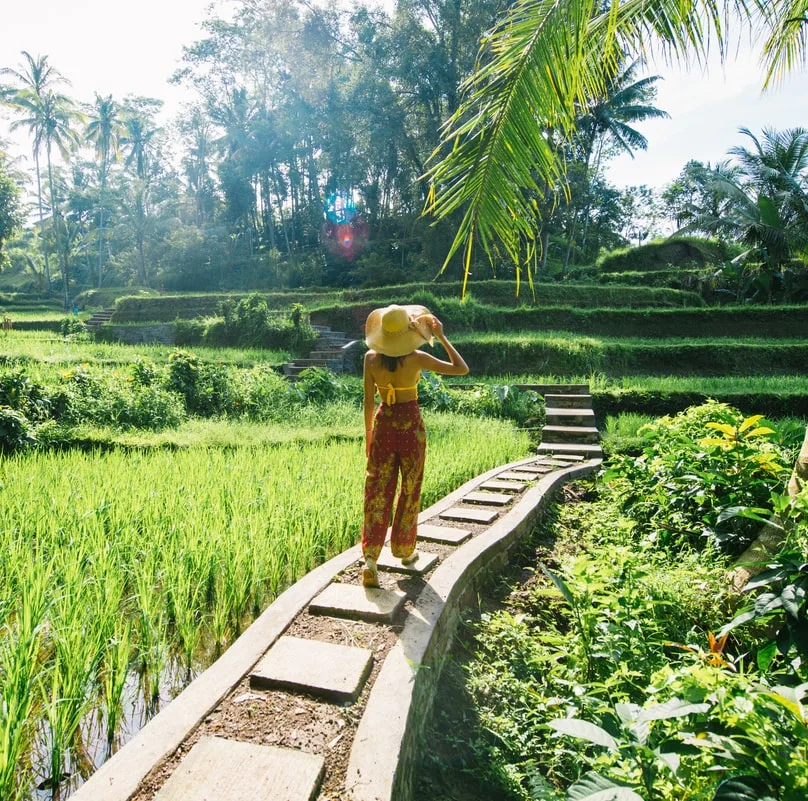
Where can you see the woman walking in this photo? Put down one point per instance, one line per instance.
(395, 439)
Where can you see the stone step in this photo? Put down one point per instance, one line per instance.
(446, 535)
(488, 498)
(324, 669)
(392, 564)
(569, 401)
(514, 475)
(586, 450)
(310, 363)
(561, 417)
(358, 603)
(469, 515)
(227, 770)
(534, 470)
(557, 389)
(333, 355)
(503, 486)
(570, 434)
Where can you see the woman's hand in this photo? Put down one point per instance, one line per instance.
(437, 327)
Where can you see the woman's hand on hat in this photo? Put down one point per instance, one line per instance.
(437, 326)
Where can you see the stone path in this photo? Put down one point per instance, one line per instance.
(570, 422)
(315, 663)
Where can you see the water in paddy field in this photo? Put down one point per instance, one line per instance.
(81, 762)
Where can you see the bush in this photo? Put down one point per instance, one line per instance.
(189, 332)
(205, 387)
(18, 391)
(263, 394)
(678, 251)
(15, 431)
(704, 477)
(148, 407)
(71, 325)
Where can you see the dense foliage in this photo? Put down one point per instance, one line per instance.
(622, 670)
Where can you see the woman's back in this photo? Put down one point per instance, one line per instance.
(403, 379)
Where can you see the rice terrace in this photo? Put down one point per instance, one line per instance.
(210, 310)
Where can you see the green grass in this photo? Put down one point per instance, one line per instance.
(27, 347)
(134, 567)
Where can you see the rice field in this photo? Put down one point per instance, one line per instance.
(47, 348)
(123, 574)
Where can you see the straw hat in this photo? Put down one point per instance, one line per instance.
(398, 330)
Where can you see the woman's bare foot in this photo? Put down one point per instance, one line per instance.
(370, 575)
(408, 560)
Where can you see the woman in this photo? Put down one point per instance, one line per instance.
(395, 440)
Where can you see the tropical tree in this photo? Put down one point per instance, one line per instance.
(138, 138)
(762, 202)
(543, 62)
(104, 131)
(33, 78)
(11, 216)
(611, 119)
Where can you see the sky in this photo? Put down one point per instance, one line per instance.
(119, 50)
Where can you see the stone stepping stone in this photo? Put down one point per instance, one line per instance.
(358, 603)
(487, 498)
(570, 448)
(324, 669)
(392, 564)
(443, 534)
(569, 457)
(559, 461)
(532, 470)
(522, 475)
(469, 515)
(226, 770)
(504, 486)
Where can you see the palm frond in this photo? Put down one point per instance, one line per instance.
(544, 61)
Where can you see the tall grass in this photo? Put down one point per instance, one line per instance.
(132, 569)
(39, 347)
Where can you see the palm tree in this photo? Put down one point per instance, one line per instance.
(543, 62)
(137, 138)
(57, 114)
(611, 118)
(34, 77)
(104, 130)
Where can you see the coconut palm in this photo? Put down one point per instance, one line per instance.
(611, 118)
(33, 77)
(138, 138)
(50, 116)
(104, 130)
(545, 61)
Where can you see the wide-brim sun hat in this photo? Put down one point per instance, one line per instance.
(398, 330)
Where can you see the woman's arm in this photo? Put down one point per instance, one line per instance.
(456, 365)
(369, 400)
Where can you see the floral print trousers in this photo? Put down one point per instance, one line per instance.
(397, 444)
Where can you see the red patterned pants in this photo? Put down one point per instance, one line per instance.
(397, 444)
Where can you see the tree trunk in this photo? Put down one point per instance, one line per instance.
(42, 223)
(101, 221)
(60, 259)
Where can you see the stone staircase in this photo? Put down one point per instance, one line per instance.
(331, 351)
(569, 427)
(99, 318)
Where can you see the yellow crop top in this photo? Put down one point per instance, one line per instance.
(390, 398)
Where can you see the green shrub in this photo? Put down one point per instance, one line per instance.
(205, 387)
(677, 251)
(704, 476)
(71, 325)
(15, 431)
(263, 394)
(189, 332)
(18, 391)
(148, 407)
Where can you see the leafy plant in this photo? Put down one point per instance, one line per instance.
(15, 431)
(706, 474)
